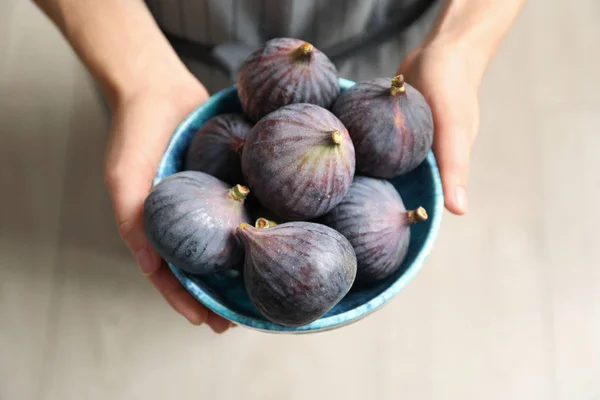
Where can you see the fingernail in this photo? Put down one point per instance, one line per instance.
(145, 262)
(461, 198)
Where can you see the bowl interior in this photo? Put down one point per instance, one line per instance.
(224, 293)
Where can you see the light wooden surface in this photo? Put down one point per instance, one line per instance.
(507, 306)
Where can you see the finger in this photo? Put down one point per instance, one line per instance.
(217, 323)
(177, 296)
(452, 146)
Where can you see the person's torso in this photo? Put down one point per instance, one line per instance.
(321, 22)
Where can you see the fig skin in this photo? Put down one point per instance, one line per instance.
(299, 161)
(296, 272)
(216, 148)
(390, 123)
(375, 221)
(190, 219)
(285, 71)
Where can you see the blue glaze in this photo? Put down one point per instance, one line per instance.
(225, 294)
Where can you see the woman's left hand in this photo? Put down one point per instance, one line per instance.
(450, 85)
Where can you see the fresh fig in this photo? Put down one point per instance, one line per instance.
(190, 218)
(297, 271)
(390, 124)
(216, 147)
(373, 218)
(299, 161)
(285, 71)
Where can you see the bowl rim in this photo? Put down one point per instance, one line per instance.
(323, 323)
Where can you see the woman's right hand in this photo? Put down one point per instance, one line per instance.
(142, 124)
(150, 91)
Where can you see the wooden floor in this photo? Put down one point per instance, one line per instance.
(507, 306)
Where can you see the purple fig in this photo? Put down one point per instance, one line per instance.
(190, 219)
(373, 218)
(299, 161)
(297, 271)
(390, 124)
(286, 71)
(216, 147)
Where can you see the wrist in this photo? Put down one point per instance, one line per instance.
(121, 45)
(473, 30)
(160, 78)
(454, 34)
(470, 54)
(145, 62)
(177, 93)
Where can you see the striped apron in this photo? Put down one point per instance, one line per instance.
(364, 38)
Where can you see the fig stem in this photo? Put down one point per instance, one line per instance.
(239, 192)
(418, 215)
(337, 137)
(398, 85)
(239, 148)
(243, 226)
(304, 50)
(263, 223)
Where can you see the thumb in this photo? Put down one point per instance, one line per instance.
(452, 147)
(452, 150)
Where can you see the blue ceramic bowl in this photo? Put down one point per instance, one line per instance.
(225, 294)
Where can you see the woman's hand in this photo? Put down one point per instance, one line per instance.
(447, 68)
(142, 124)
(150, 92)
(443, 75)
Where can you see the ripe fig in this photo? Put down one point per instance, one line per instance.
(299, 161)
(390, 124)
(216, 147)
(297, 271)
(373, 218)
(190, 219)
(286, 71)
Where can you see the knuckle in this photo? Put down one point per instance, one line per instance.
(112, 177)
(453, 168)
(457, 168)
(126, 229)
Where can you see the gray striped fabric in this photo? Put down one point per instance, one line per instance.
(321, 22)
